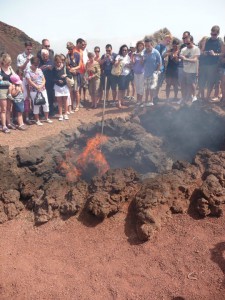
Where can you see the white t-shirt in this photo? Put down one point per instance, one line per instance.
(190, 67)
(125, 60)
(85, 56)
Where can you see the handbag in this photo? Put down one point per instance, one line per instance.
(39, 99)
(70, 82)
(117, 70)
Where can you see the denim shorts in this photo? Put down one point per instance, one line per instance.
(123, 82)
(19, 106)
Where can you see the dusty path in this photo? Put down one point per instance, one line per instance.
(85, 115)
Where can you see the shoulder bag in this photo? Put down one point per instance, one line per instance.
(39, 99)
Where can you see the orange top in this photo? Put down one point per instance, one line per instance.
(81, 65)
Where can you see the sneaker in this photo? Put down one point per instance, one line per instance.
(72, 112)
(39, 123)
(6, 130)
(68, 113)
(60, 118)
(22, 127)
(66, 117)
(142, 105)
(48, 121)
(80, 105)
(131, 98)
(11, 126)
(149, 104)
(194, 99)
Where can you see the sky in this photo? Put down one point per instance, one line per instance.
(114, 21)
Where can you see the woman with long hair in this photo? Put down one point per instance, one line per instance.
(124, 60)
(6, 104)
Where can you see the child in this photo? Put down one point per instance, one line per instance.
(60, 87)
(16, 95)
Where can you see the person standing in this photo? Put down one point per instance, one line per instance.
(124, 60)
(152, 65)
(93, 77)
(80, 45)
(162, 48)
(172, 69)
(45, 44)
(212, 51)
(23, 64)
(180, 64)
(72, 65)
(131, 85)
(61, 89)
(106, 62)
(5, 104)
(46, 65)
(189, 56)
(36, 82)
(138, 69)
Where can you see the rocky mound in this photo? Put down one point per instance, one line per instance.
(12, 41)
(44, 178)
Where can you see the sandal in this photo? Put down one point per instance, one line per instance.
(77, 109)
(22, 127)
(5, 130)
(11, 126)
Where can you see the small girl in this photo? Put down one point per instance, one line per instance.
(15, 93)
(60, 87)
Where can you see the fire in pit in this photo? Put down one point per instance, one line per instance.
(89, 163)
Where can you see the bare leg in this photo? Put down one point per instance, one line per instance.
(3, 105)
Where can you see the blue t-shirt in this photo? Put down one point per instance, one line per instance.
(162, 50)
(151, 62)
(107, 65)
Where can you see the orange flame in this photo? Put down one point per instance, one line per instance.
(90, 155)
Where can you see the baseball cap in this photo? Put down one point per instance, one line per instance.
(14, 78)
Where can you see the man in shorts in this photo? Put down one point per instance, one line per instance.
(106, 62)
(152, 65)
(80, 45)
(212, 54)
(189, 56)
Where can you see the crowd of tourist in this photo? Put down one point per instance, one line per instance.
(47, 84)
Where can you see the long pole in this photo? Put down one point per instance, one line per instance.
(103, 110)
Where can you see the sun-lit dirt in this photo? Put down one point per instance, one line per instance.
(72, 260)
(84, 259)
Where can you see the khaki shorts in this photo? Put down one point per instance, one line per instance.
(3, 94)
